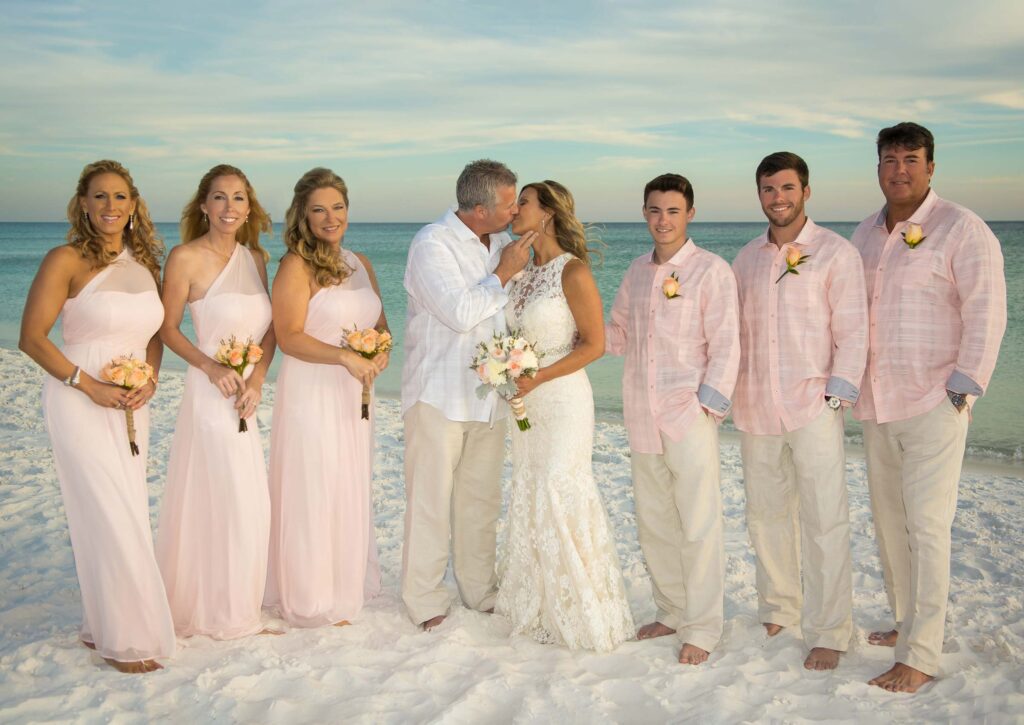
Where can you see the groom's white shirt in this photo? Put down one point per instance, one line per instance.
(455, 301)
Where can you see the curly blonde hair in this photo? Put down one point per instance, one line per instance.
(570, 233)
(329, 268)
(139, 236)
(195, 224)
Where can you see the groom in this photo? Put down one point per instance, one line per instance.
(457, 271)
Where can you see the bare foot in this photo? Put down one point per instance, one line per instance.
(901, 678)
(90, 645)
(432, 622)
(691, 654)
(134, 668)
(883, 639)
(772, 629)
(342, 623)
(822, 658)
(654, 629)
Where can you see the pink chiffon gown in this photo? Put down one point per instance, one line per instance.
(124, 607)
(323, 554)
(215, 519)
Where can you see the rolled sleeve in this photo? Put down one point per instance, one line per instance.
(713, 400)
(842, 389)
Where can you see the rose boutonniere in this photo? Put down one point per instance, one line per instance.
(670, 287)
(793, 260)
(913, 235)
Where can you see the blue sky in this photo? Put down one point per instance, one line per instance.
(398, 96)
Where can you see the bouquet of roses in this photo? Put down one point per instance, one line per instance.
(369, 343)
(498, 363)
(128, 373)
(242, 358)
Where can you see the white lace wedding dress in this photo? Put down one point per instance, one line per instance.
(561, 581)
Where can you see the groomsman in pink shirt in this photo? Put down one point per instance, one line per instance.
(803, 333)
(675, 320)
(937, 313)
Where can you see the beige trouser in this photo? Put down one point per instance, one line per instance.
(452, 493)
(798, 513)
(679, 517)
(913, 474)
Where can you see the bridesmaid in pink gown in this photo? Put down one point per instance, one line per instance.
(103, 284)
(323, 557)
(215, 518)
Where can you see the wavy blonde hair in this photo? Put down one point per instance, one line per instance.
(141, 238)
(570, 233)
(194, 223)
(328, 266)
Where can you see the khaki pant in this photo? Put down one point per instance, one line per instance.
(798, 513)
(679, 518)
(452, 494)
(913, 475)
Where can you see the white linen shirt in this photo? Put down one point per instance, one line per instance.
(455, 302)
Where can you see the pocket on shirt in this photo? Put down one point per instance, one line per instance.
(805, 295)
(923, 269)
(678, 317)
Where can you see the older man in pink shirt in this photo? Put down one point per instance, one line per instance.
(675, 320)
(803, 333)
(937, 301)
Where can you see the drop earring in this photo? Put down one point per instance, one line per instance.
(131, 222)
(205, 220)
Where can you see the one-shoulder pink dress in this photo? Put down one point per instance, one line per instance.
(323, 555)
(124, 607)
(215, 518)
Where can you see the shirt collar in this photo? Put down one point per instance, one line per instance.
(919, 215)
(802, 239)
(677, 259)
(452, 221)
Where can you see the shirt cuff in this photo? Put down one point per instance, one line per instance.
(713, 400)
(493, 282)
(960, 383)
(839, 388)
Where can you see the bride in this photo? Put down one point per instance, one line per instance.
(562, 582)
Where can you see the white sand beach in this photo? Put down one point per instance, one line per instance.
(384, 670)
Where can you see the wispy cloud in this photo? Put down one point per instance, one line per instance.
(287, 86)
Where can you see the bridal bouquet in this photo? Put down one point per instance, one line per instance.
(128, 373)
(499, 363)
(369, 343)
(242, 358)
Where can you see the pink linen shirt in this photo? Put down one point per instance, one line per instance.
(682, 352)
(803, 336)
(937, 312)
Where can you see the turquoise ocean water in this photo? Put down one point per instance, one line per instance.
(997, 431)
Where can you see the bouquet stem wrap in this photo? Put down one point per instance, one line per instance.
(242, 358)
(128, 373)
(369, 343)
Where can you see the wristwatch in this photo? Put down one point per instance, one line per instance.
(833, 402)
(72, 379)
(959, 400)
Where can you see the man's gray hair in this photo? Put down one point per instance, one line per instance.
(479, 181)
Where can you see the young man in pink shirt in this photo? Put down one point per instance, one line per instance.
(675, 320)
(937, 313)
(803, 334)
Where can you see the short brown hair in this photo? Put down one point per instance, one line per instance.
(908, 135)
(671, 182)
(781, 161)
